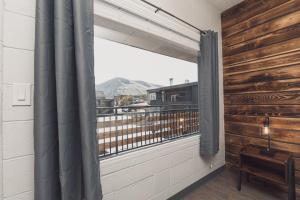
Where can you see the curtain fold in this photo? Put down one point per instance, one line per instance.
(66, 155)
(208, 91)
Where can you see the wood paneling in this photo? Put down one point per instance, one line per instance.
(259, 53)
(278, 98)
(278, 134)
(263, 29)
(246, 10)
(266, 86)
(278, 11)
(261, 57)
(245, 140)
(281, 73)
(262, 110)
(267, 63)
(280, 35)
(277, 122)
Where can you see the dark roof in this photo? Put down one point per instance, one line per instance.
(173, 87)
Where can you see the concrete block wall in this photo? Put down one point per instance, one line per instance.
(1, 94)
(17, 121)
(156, 173)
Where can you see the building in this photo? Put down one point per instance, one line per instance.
(126, 100)
(183, 94)
(103, 105)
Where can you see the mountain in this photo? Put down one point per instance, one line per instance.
(121, 86)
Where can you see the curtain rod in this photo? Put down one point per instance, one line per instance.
(168, 13)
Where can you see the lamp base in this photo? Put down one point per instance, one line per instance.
(267, 152)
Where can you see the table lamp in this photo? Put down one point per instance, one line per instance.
(266, 132)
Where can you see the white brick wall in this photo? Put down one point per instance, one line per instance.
(24, 7)
(14, 59)
(17, 139)
(156, 173)
(17, 121)
(153, 173)
(18, 30)
(1, 97)
(17, 176)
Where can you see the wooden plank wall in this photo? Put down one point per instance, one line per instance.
(261, 57)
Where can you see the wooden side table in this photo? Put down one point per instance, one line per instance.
(278, 169)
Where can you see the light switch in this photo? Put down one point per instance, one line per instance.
(21, 94)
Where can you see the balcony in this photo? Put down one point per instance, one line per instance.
(133, 127)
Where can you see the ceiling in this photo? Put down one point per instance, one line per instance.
(225, 4)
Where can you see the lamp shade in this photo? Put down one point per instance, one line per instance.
(265, 130)
(266, 126)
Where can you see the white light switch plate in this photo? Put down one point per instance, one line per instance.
(21, 94)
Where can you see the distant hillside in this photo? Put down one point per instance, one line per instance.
(122, 86)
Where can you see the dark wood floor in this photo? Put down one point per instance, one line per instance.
(223, 187)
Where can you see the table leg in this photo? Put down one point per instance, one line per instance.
(247, 177)
(291, 181)
(240, 181)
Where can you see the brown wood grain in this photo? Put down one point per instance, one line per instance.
(245, 140)
(233, 148)
(233, 159)
(278, 11)
(280, 35)
(280, 73)
(267, 86)
(246, 10)
(250, 130)
(261, 58)
(263, 29)
(262, 110)
(268, 51)
(275, 122)
(276, 98)
(297, 163)
(267, 63)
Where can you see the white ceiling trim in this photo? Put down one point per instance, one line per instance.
(147, 12)
(132, 23)
(129, 10)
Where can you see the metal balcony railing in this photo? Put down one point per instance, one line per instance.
(121, 129)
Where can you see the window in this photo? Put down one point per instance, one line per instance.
(173, 98)
(163, 96)
(98, 102)
(138, 82)
(152, 96)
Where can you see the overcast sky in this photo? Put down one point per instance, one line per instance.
(117, 60)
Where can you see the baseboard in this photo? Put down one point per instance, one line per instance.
(198, 183)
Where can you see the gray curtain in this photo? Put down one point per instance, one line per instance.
(208, 91)
(66, 160)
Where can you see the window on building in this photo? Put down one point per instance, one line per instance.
(152, 96)
(173, 98)
(163, 96)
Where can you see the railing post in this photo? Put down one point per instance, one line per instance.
(190, 124)
(117, 131)
(161, 132)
